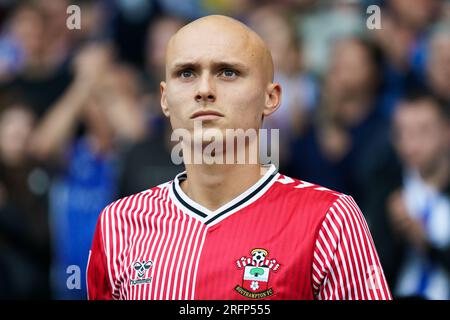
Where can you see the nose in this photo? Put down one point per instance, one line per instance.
(206, 91)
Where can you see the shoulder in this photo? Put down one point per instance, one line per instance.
(300, 190)
(312, 198)
(136, 204)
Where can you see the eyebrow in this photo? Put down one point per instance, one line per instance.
(215, 65)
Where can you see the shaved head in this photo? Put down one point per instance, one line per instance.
(218, 64)
(215, 32)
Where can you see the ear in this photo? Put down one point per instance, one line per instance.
(273, 98)
(164, 106)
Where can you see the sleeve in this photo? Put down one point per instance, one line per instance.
(345, 262)
(98, 284)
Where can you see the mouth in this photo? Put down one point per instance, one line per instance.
(206, 115)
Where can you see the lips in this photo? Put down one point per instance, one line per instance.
(206, 114)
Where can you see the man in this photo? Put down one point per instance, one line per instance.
(230, 231)
(438, 66)
(419, 208)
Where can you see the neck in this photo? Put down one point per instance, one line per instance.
(212, 186)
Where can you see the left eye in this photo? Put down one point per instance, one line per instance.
(228, 73)
(186, 74)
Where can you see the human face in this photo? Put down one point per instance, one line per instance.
(439, 65)
(159, 35)
(219, 73)
(16, 124)
(350, 55)
(421, 136)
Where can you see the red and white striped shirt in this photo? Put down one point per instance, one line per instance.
(281, 239)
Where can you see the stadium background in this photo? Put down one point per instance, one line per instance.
(363, 112)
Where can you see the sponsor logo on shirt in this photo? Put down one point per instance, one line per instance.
(141, 271)
(256, 272)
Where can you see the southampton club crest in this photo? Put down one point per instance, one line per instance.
(257, 268)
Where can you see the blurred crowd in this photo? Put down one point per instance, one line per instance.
(364, 112)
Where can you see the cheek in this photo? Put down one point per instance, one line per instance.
(245, 104)
(436, 143)
(178, 101)
(173, 97)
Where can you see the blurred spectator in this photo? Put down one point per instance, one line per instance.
(445, 12)
(40, 73)
(104, 98)
(149, 161)
(129, 20)
(419, 209)
(408, 200)
(320, 28)
(57, 38)
(337, 147)
(277, 27)
(438, 68)
(159, 32)
(417, 17)
(24, 237)
(403, 39)
(95, 22)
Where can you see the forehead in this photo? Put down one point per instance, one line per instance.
(212, 43)
(418, 113)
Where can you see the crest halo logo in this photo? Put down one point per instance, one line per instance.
(257, 269)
